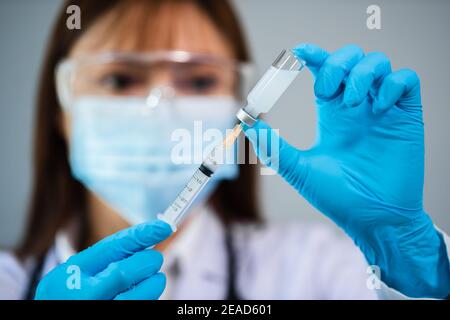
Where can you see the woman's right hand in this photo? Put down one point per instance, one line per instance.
(117, 267)
(365, 171)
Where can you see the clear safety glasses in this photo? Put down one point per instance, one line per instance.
(150, 75)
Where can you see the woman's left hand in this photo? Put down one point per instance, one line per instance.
(366, 170)
(118, 267)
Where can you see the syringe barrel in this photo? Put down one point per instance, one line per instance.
(176, 211)
(271, 86)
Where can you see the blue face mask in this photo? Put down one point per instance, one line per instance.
(129, 154)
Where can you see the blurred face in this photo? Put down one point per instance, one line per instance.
(119, 150)
(137, 32)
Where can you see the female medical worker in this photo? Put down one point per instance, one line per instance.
(137, 71)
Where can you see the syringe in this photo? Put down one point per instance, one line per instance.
(260, 100)
(177, 210)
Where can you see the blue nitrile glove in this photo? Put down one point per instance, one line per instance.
(117, 267)
(366, 170)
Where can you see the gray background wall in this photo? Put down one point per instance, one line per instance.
(414, 34)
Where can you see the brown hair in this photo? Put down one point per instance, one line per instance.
(56, 195)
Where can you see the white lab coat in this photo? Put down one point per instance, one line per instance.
(277, 261)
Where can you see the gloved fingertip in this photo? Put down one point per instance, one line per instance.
(245, 126)
(151, 259)
(159, 282)
(259, 124)
(159, 228)
(299, 50)
(300, 46)
(157, 258)
(254, 132)
(377, 106)
(161, 277)
(349, 99)
(312, 54)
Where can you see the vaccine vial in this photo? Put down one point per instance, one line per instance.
(271, 86)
